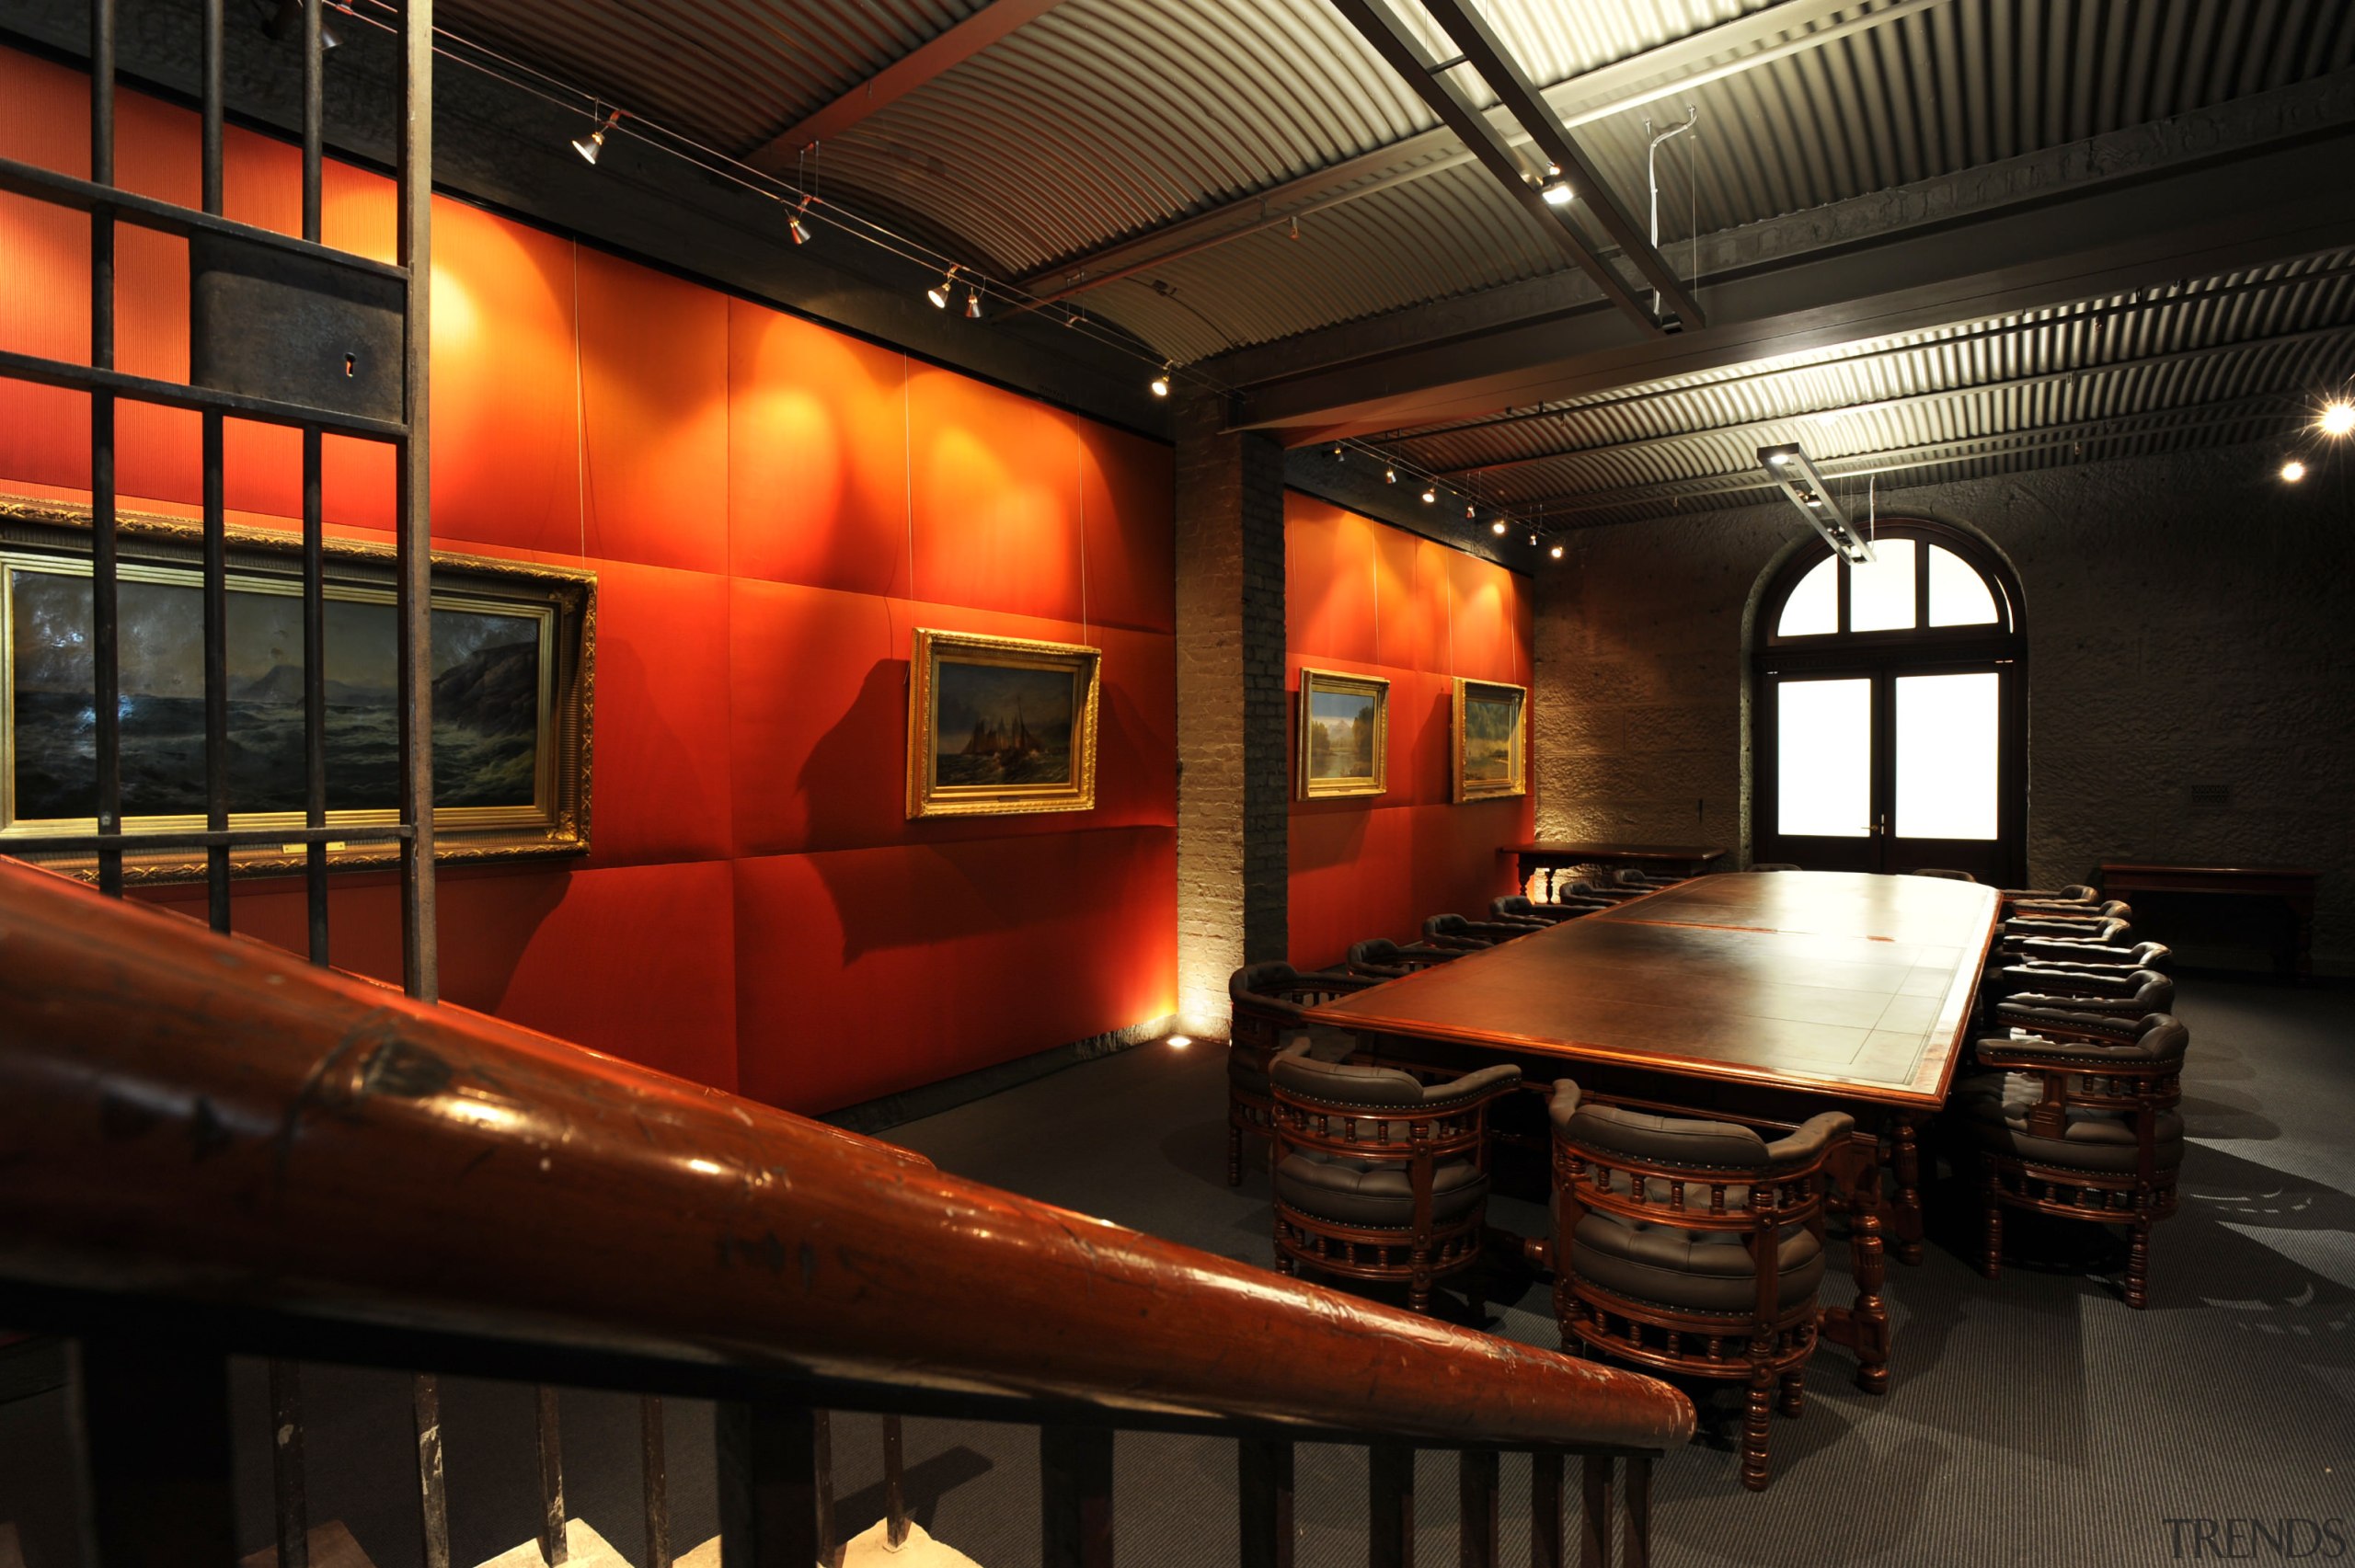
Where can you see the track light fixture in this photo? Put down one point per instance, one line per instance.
(1390, 475)
(1558, 193)
(286, 22)
(2293, 470)
(1805, 489)
(795, 226)
(972, 303)
(1555, 552)
(2338, 418)
(589, 146)
(938, 294)
(1498, 527)
(1160, 382)
(1430, 494)
(1470, 510)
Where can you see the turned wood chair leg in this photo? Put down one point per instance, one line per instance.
(1992, 1264)
(2138, 1264)
(1234, 1152)
(1753, 1425)
(1418, 1289)
(1795, 1391)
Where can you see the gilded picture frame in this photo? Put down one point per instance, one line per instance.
(1489, 749)
(1344, 734)
(515, 665)
(1000, 725)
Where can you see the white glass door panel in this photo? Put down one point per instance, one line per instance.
(1823, 744)
(1949, 748)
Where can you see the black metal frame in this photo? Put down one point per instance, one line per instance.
(1881, 656)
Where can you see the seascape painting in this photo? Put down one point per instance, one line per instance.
(1001, 725)
(1340, 735)
(1344, 736)
(487, 696)
(1489, 732)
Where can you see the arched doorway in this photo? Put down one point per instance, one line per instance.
(1890, 717)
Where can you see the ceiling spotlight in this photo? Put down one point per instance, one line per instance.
(1533, 541)
(1498, 527)
(286, 22)
(1558, 193)
(1295, 226)
(2293, 470)
(1470, 510)
(1160, 381)
(2338, 418)
(1430, 494)
(1390, 475)
(938, 294)
(972, 304)
(1804, 487)
(799, 230)
(1555, 552)
(589, 146)
(1337, 453)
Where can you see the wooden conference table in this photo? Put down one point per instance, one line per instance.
(1762, 998)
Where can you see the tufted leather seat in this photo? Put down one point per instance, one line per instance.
(2050, 989)
(1692, 1246)
(1268, 1002)
(1378, 958)
(1522, 908)
(1379, 1176)
(2078, 1115)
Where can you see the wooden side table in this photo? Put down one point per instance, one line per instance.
(2291, 886)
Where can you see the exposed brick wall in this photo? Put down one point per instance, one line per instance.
(1231, 710)
(2186, 624)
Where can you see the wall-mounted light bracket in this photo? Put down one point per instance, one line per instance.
(1797, 478)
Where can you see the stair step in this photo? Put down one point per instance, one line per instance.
(331, 1547)
(584, 1547)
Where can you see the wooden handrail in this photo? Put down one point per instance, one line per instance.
(207, 1119)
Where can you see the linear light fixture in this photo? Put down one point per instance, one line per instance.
(1789, 468)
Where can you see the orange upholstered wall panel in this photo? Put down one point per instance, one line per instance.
(1367, 599)
(771, 509)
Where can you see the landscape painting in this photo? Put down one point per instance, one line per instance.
(1001, 725)
(489, 695)
(1489, 749)
(1343, 734)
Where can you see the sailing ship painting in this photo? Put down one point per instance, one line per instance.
(487, 701)
(1001, 725)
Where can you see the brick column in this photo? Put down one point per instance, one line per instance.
(1232, 794)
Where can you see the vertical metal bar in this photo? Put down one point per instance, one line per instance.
(1263, 1488)
(105, 702)
(216, 562)
(656, 1469)
(432, 1496)
(1390, 1506)
(421, 967)
(1636, 1548)
(1076, 1496)
(767, 1459)
(1476, 1496)
(551, 1433)
(1546, 1510)
(1594, 1512)
(895, 1485)
(154, 1420)
(314, 675)
(289, 1485)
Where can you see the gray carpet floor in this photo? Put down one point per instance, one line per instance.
(2032, 1420)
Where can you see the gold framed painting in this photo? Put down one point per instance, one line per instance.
(1344, 734)
(513, 661)
(999, 725)
(1491, 755)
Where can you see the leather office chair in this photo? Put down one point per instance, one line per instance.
(1379, 959)
(1267, 1000)
(1519, 907)
(2059, 901)
(1941, 873)
(2108, 931)
(2086, 954)
(2066, 920)
(1691, 1246)
(2078, 1120)
(1379, 1177)
(2030, 989)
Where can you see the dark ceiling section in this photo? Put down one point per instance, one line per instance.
(1247, 187)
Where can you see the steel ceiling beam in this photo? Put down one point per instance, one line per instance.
(921, 65)
(1380, 28)
(1488, 54)
(2192, 214)
(1677, 67)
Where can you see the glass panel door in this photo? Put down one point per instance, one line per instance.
(1823, 814)
(1946, 771)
